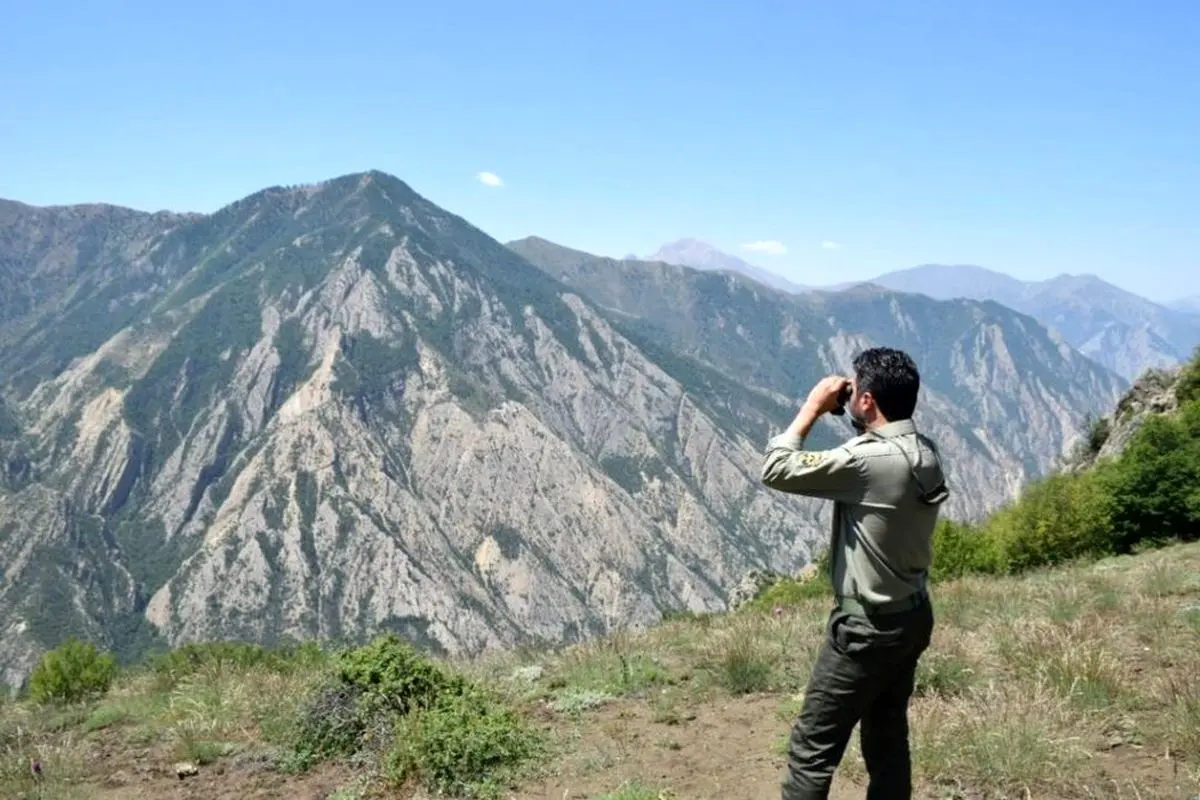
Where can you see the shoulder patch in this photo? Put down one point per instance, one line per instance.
(808, 458)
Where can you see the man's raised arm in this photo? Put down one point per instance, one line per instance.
(831, 474)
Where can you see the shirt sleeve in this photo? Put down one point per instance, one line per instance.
(830, 474)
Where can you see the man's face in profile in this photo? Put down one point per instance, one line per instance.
(856, 418)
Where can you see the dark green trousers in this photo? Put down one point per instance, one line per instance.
(864, 673)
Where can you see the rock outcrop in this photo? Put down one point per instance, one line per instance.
(1155, 393)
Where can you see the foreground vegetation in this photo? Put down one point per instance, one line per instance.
(1068, 682)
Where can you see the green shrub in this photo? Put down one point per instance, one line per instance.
(466, 744)
(1098, 432)
(1155, 485)
(1061, 518)
(742, 669)
(791, 592)
(1187, 390)
(960, 549)
(1147, 496)
(369, 688)
(72, 672)
(396, 674)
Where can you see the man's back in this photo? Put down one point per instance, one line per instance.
(886, 543)
(881, 546)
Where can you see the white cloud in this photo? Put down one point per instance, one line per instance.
(770, 247)
(828, 245)
(489, 179)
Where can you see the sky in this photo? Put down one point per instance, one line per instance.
(825, 141)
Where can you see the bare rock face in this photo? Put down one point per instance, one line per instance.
(1155, 393)
(335, 410)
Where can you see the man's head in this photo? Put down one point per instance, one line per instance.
(886, 383)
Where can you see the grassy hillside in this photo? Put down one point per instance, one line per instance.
(1075, 682)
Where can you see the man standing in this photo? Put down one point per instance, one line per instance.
(886, 484)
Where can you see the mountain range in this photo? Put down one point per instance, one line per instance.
(701, 255)
(334, 409)
(1126, 333)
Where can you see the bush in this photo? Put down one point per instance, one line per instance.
(369, 689)
(1155, 485)
(434, 725)
(1098, 432)
(790, 592)
(395, 674)
(1187, 390)
(1061, 518)
(741, 668)
(1148, 495)
(72, 672)
(794, 591)
(466, 744)
(960, 549)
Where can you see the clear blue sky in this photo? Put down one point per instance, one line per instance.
(1027, 136)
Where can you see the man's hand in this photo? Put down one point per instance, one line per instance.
(821, 399)
(824, 396)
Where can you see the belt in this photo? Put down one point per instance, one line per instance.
(854, 606)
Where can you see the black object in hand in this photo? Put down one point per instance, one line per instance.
(842, 398)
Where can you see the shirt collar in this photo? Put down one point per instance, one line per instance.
(898, 428)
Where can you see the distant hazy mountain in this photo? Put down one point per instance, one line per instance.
(1190, 305)
(1124, 332)
(701, 255)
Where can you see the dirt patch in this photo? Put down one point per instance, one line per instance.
(220, 782)
(729, 749)
(131, 774)
(1126, 771)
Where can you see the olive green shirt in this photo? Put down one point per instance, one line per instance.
(881, 546)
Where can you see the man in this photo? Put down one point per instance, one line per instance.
(886, 484)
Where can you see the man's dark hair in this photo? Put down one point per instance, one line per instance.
(892, 379)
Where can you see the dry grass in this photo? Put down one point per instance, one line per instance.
(1081, 682)
(1041, 685)
(204, 717)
